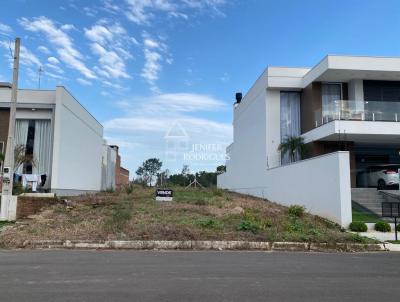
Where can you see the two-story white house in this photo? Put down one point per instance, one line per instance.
(347, 109)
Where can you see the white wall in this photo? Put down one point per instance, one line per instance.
(321, 184)
(29, 96)
(37, 114)
(78, 147)
(248, 153)
(273, 120)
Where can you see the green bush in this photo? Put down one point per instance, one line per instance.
(296, 210)
(358, 226)
(382, 226)
(209, 223)
(249, 226)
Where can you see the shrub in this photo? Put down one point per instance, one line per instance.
(358, 226)
(382, 226)
(129, 189)
(250, 226)
(296, 210)
(360, 239)
(209, 223)
(218, 192)
(110, 190)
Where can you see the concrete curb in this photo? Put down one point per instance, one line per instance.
(206, 245)
(392, 247)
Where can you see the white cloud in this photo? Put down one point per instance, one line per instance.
(44, 49)
(56, 68)
(61, 41)
(108, 42)
(110, 7)
(53, 60)
(67, 27)
(5, 29)
(90, 11)
(153, 54)
(84, 82)
(182, 102)
(27, 58)
(147, 121)
(140, 11)
(110, 61)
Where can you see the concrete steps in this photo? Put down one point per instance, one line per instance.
(368, 198)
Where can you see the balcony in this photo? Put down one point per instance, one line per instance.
(349, 110)
(357, 121)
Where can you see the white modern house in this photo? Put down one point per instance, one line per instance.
(347, 109)
(64, 139)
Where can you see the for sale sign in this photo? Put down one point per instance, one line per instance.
(164, 195)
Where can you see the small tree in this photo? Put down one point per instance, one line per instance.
(141, 178)
(221, 169)
(20, 157)
(293, 145)
(149, 169)
(185, 173)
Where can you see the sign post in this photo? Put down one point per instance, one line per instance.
(164, 195)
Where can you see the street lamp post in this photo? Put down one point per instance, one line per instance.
(8, 169)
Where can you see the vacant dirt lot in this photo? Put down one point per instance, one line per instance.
(193, 215)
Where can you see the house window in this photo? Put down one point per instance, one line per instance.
(290, 118)
(331, 95)
(35, 136)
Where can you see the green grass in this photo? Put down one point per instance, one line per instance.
(5, 223)
(364, 217)
(394, 241)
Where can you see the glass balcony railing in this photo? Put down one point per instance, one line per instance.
(358, 111)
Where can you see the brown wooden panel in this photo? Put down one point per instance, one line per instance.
(311, 101)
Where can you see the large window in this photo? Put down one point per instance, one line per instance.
(290, 118)
(331, 94)
(36, 136)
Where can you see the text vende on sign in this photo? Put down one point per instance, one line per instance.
(164, 194)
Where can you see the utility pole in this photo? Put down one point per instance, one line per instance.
(9, 156)
(40, 74)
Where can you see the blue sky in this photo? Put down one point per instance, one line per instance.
(142, 67)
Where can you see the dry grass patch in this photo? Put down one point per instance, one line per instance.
(194, 215)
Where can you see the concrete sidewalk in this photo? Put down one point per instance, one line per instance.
(382, 237)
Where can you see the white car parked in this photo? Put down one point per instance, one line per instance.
(382, 176)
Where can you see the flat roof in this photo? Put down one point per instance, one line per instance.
(335, 68)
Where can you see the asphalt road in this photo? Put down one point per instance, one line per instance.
(197, 276)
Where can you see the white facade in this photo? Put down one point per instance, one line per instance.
(77, 144)
(322, 184)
